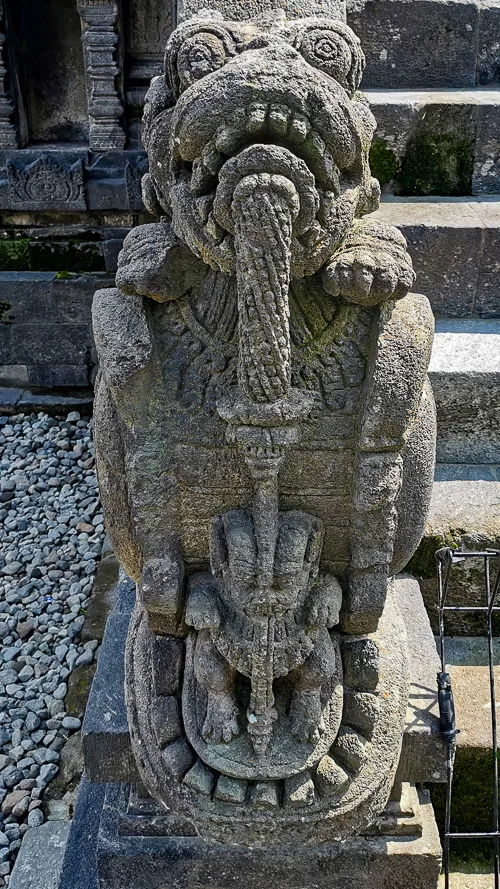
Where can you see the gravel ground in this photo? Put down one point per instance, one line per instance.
(51, 535)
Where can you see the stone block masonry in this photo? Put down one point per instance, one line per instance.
(45, 332)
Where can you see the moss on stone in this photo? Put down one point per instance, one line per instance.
(79, 685)
(14, 255)
(423, 561)
(437, 164)
(383, 162)
(472, 801)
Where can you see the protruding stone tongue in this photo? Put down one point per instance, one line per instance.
(265, 195)
(264, 208)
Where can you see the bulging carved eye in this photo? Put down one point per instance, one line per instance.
(196, 51)
(199, 56)
(334, 49)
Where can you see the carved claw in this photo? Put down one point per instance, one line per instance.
(307, 722)
(371, 266)
(221, 721)
(325, 602)
(154, 263)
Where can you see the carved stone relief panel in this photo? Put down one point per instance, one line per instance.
(150, 24)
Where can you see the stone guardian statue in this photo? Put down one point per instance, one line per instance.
(265, 437)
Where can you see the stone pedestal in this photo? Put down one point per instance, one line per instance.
(122, 838)
(134, 843)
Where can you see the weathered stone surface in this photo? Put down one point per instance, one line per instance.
(39, 864)
(436, 142)
(473, 771)
(423, 752)
(79, 866)
(385, 860)
(465, 375)
(240, 10)
(270, 315)
(488, 69)
(454, 246)
(442, 35)
(106, 715)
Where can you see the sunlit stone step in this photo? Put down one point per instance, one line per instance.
(455, 247)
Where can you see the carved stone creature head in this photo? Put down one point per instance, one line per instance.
(266, 98)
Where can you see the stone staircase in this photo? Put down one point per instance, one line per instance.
(432, 81)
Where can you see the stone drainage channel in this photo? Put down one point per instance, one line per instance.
(51, 540)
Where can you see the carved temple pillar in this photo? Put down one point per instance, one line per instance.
(8, 129)
(103, 71)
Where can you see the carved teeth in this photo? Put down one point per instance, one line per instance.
(361, 710)
(278, 120)
(350, 747)
(299, 128)
(231, 790)
(212, 159)
(256, 119)
(299, 790)
(330, 777)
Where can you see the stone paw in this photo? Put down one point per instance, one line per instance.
(221, 721)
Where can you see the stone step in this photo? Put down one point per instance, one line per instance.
(437, 142)
(465, 376)
(455, 247)
(429, 44)
(464, 514)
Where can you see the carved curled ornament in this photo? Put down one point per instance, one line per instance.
(47, 183)
(262, 371)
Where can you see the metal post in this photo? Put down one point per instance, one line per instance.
(445, 559)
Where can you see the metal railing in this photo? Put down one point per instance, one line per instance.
(446, 558)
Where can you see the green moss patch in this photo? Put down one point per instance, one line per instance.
(437, 165)
(423, 562)
(14, 255)
(383, 162)
(472, 802)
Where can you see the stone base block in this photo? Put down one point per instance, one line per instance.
(119, 840)
(453, 243)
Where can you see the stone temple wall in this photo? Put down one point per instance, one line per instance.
(73, 76)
